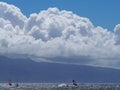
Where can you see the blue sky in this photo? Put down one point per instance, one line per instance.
(103, 13)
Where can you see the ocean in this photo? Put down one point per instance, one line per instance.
(58, 86)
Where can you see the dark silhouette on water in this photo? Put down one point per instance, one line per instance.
(74, 82)
(16, 84)
(10, 83)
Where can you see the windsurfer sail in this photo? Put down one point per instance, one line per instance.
(10, 83)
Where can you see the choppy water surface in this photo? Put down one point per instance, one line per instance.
(55, 86)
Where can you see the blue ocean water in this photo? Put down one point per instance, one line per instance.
(57, 86)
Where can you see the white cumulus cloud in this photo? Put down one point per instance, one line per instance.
(57, 36)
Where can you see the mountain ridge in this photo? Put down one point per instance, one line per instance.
(26, 70)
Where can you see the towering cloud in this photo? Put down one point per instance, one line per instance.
(57, 36)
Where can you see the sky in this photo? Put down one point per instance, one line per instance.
(103, 13)
(70, 32)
